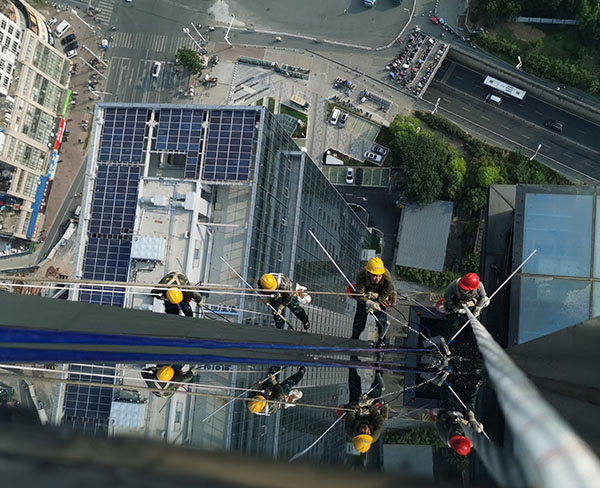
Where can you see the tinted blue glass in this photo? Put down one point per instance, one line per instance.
(560, 228)
(551, 304)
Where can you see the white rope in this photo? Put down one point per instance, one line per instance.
(115, 376)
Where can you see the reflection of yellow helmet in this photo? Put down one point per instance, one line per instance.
(174, 295)
(362, 442)
(375, 266)
(257, 404)
(165, 373)
(268, 282)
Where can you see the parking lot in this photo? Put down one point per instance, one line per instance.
(379, 177)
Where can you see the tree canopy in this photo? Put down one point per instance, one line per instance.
(189, 59)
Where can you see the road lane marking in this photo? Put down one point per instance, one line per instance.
(466, 109)
(484, 117)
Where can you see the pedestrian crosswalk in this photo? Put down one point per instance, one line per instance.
(152, 42)
(106, 10)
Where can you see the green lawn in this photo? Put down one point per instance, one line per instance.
(271, 105)
(301, 130)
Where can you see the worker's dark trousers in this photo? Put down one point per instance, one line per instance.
(184, 306)
(288, 384)
(360, 320)
(450, 403)
(296, 309)
(454, 321)
(355, 387)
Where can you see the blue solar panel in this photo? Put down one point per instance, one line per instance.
(87, 408)
(179, 130)
(229, 145)
(114, 201)
(123, 131)
(105, 260)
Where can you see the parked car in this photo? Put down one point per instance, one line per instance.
(373, 157)
(50, 39)
(350, 176)
(380, 150)
(71, 54)
(68, 39)
(155, 69)
(51, 21)
(335, 114)
(72, 46)
(343, 119)
(359, 176)
(554, 125)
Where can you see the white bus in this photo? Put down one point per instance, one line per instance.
(504, 88)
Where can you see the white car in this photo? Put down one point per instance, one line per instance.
(52, 21)
(155, 69)
(350, 176)
(373, 157)
(71, 54)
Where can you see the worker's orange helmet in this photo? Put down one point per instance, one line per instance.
(375, 266)
(268, 282)
(165, 373)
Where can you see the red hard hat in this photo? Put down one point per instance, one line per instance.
(340, 411)
(469, 282)
(460, 444)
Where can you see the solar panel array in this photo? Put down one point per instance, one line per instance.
(87, 408)
(123, 132)
(231, 137)
(181, 130)
(114, 200)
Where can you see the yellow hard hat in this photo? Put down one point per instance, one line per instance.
(165, 373)
(174, 295)
(375, 266)
(268, 282)
(257, 404)
(362, 442)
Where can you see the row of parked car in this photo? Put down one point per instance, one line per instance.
(69, 42)
(338, 117)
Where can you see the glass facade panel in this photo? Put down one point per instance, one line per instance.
(596, 271)
(560, 228)
(550, 304)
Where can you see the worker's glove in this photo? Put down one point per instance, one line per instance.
(365, 401)
(392, 298)
(372, 306)
(470, 303)
(280, 309)
(486, 302)
(372, 295)
(305, 299)
(474, 423)
(300, 288)
(477, 311)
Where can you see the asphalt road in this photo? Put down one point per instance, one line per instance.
(384, 215)
(463, 97)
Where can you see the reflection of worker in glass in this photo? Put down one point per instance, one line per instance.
(274, 391)
(175, 299)
(364, 422)
(282, 296)
(166, 372)
(374, 286)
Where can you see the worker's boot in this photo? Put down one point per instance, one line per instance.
(306, 325)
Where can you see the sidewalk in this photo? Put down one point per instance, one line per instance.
(72, 156)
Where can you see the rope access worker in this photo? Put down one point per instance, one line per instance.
(468, 291)
(275, 391)
(167, 372)
(376, 291)
(364, 423)
(175, 299)
(282, 296)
